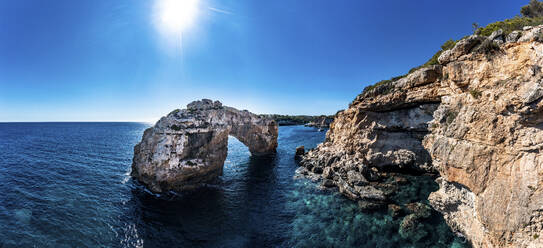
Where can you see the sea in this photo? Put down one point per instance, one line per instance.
(69, 185)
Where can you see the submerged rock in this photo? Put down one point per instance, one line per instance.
(419, 209)
(370, 205)
(187, 148)
(411, 228)
(394, 210)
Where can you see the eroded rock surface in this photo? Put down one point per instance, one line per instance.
(187, 148)
(476, 120)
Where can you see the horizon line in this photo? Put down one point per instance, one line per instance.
(74, 121)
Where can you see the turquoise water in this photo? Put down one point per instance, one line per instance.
(68, 185)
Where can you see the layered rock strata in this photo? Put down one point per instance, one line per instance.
(475, 119)
(187, 148)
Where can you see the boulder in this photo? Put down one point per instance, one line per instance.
(328, 173)
(497, 36)
(370, 193)
(462, 47)
(513, 36)
(347, 190)
(531, 34)
(300, 151)
(355, 178)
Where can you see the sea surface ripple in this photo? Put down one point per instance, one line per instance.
(68, 185)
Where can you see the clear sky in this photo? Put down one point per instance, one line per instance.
(124, 60)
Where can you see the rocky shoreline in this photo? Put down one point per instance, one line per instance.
(404, 197)
(321, 121)
(375, 190)
(474, 121)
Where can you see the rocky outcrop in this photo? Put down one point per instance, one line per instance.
(476, 120)
(320, 122)
(187, 148)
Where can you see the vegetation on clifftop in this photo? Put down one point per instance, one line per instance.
(286, 120)
(532, 15)
(509, 25)
(432, 61)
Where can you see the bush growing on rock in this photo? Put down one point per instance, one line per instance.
(385, 86)
(475, 93)
(509, 25)
(532, 15)
(533, 9)
(433, 61)
(450, 117)
(175, 111)
(488, 47)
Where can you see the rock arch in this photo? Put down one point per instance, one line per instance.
(187, 148)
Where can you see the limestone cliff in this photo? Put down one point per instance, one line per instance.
(476, 119)
(187, 148)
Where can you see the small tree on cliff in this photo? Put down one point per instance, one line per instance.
(533, 9)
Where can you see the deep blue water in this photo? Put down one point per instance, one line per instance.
(68, 185)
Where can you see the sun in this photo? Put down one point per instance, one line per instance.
(175, 16)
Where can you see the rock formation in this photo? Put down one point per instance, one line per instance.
(187, 148)
(320, 122)
(476, 119)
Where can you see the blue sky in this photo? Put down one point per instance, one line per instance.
(104, 60)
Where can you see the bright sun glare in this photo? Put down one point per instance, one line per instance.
(174, 16)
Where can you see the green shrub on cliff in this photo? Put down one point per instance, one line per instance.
(475, 93)
(175, 111)
(285, 120)
(533, 9)
(383, 82)
(509, 25)
(432, 61)
(532, 15)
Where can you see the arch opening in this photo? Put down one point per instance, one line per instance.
(188, 148)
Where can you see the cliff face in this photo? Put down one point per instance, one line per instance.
(476, 120)
(187, 148)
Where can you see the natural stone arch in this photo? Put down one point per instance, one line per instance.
(187, 148)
